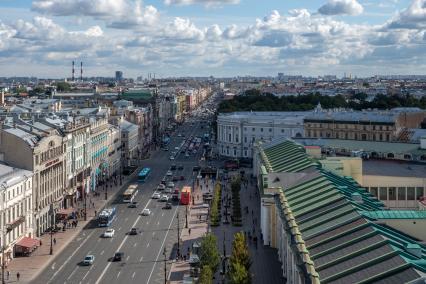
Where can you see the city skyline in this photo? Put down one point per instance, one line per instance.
(223, 38)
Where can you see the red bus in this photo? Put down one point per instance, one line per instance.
(185, 195)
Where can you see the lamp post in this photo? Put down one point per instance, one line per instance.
(85, 195)
(178, 235)
(186, 216)
(51, 228)
(165, 266)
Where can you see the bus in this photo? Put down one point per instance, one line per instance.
(106, 217)
(185, 195)
(130, 193)
(143, 174)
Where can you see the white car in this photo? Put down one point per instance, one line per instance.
(170, 184)
(146, 212)
(161, 187)
(89, 259)
(156, 195)
(177, 148)
(169, 173)
(109, 233)
(169, 190)
(172, 158)
(164, 197)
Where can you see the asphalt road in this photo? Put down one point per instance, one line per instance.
(143, 253)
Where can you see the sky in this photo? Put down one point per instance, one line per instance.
(174, 38)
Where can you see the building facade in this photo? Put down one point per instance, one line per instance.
(129, 143)
(237, 132)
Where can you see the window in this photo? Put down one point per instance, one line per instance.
(282, 130)
(419, 192)
(235, 152)
(229, 137)
(236, 138)
(383, 191)
(392, 193)
(410, 193)
(373, 191)
(245, 139)
(401, 193)
(270, 129)
(253, 129)
(261, 129)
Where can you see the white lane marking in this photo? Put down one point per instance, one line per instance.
(69, 258)
(153, 233)
(162, 214)
(160, 251)
(75, 269)
(127, 258)
(119, 229)
(147, 245)
(119, 247)
(102, 252)
(158, 223)
(118, 274)
(147, 222)
(53, 265)
(127, 218)
(111, 240)
(133, 275)
(87, 273)
(99, 240)
(135, 244)
(140, 260)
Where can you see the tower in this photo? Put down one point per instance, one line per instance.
(73, 71)
(81, 71)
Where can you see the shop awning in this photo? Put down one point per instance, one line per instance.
(67, 211)
(27, 242)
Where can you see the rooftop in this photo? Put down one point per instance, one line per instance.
(393, 168)
(10, 176)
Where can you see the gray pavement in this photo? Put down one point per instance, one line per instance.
(143, 258)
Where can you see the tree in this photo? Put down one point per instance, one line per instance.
(209, 253)
(63, 86)
(239, 262)
(206, 275)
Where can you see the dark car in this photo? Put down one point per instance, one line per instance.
(196, 168)
(134, 204)
(168, 205)
(118, 256)
(182, 177)
(133, 231)
(175, 178)
(173, 167)
(180, 167)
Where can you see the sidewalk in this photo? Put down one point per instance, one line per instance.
(181, 268)
(30, 267)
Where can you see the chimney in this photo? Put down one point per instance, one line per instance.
(73, 71)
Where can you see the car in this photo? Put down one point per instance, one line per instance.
(177, 148)
(172, 158)
(182, 177)
(180, 167)
(161, 186)
(168, 205)
(168, 190)
(156, 195)
(89, 259)
(109, 233)
(196, 168)
(170, 184)
(186, 154)
(164, 198)
(175, 178)
(146, 212)
(166, 149)
(164, 180)
(133, 204)
(173, 167)
(169, 173)
(118, 256)
(180, 135)
(183, 151)
(133, 231)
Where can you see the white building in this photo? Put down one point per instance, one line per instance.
(16, 208)
(237, 131)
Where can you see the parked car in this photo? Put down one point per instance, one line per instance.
(169, 173)
(170, 184)
(118, 256)
(172, 158)
(109, 233)
(146, 212)
(164, 198)
(133, 231)
(168, 206)
(180, 167)
(89, 259)
(173, 167)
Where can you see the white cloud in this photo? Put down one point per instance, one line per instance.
(411, 18)
(121, 14)
(204, 2)
(341, 7)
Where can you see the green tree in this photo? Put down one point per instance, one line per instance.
(239, 262)
(237, 274)
(206, 275)
(209, 253)
(63, 86)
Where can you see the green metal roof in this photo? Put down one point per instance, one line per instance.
(395, 214)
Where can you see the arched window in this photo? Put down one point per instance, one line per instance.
(390, 155)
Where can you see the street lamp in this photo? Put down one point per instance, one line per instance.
(165, 266)
(178, 235)
(186, 216)
(85, 195)
(51, 228)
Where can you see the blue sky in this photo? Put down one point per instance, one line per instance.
(212, 37)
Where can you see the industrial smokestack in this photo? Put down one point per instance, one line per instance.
(73, 71)
(81, 71)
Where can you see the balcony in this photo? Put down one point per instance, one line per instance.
(15, 223)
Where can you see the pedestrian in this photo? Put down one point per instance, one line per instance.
(18, 276)
(8, 274)
(54, 241)
(189, 231)
(40, 243)
(96, 213)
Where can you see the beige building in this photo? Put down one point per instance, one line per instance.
(16, 208)
(41, 150)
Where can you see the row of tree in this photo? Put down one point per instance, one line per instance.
(254, 100)
(236, 203)
(215, 215)
(239, 263)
